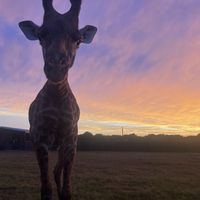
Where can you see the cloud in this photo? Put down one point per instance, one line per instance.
(164, 88)
(141, 69)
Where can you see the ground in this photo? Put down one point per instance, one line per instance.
(108, 176)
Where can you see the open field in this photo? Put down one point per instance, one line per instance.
(108, 176)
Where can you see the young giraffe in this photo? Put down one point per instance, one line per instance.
(54, 114)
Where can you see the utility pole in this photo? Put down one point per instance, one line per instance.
(122, 131)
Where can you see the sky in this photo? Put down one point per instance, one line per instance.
(141, 72)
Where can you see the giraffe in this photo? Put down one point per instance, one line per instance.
(54, 113)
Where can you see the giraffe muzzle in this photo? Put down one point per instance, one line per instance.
(57, 60)
(55, 72)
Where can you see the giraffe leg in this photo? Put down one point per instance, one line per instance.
(58, 172)
(69, 154)
(42, 157)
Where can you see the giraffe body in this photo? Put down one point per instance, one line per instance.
(53, 117)
(54, 114)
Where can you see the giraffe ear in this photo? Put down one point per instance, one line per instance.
(29, 29)
(88, 33)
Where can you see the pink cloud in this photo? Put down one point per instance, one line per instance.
(142, 67)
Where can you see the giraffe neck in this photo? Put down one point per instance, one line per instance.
(58, 91)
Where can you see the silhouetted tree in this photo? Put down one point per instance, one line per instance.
(19, 139)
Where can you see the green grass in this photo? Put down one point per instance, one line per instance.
(108, 176)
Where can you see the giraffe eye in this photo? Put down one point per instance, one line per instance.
(44, 37)
(77, 38)
(45, 41)
(78, 42)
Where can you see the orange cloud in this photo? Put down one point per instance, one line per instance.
(141, 72)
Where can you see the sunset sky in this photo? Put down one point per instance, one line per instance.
(142, 71)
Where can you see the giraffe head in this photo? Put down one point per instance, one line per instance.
(59, 37)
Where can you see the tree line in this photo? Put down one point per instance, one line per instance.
(20, 140)
(149, 143)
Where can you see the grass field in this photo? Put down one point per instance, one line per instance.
(108, 176)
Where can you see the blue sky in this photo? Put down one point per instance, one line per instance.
(141, 71)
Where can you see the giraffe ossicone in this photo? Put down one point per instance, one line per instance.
(54, 113)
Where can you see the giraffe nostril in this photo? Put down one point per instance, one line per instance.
(62, 62)
(57, 59)
(51, 61)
